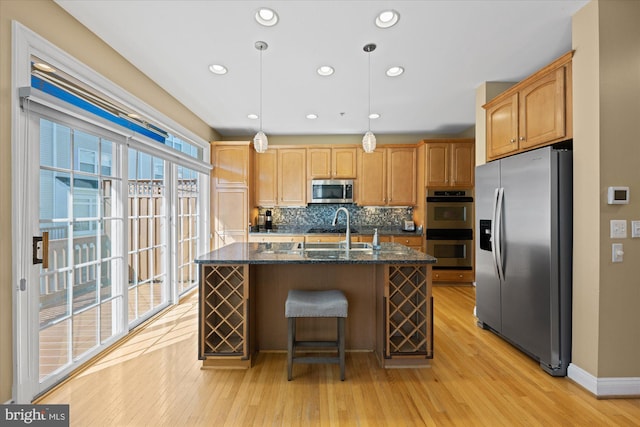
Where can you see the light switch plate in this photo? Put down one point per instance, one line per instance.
(618, 229)
(617, 252)
(635, 229)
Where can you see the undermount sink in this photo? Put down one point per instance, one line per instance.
(334, 246)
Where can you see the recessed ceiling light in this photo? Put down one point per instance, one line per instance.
(387, 18)
(218, 69)
(312, 116)
(266, 17)
(374, 116)
(395, 71)
(44, 67)
(325, 70)
(252, 116)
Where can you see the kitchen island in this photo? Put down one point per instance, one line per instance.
(243, 287)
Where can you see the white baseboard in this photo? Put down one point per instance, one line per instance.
(604, 387)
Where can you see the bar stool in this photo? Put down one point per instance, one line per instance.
(329, 303)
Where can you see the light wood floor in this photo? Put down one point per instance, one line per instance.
(476, 379)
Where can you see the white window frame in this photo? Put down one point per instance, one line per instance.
(25, 44)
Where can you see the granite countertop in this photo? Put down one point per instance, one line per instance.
(361, 230)
(289, 253)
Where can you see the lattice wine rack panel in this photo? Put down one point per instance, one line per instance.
(224, 293)
(408, 311)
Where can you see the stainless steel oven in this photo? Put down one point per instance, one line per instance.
(452, 248)
(449, 209)
(450, 228)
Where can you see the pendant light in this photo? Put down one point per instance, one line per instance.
(260, 141)
(369, 139)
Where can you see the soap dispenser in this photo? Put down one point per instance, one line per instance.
(376, 239)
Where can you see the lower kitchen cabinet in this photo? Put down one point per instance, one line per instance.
(408, 313)
(453, 276)
(224, 305)
(275, 238)
(414, 242)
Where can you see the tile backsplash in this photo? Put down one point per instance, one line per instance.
(320, 215)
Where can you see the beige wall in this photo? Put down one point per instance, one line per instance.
(606, 73)
(586, 192)
(619, 338)
(51, 22)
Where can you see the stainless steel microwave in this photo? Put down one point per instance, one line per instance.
(331, 191)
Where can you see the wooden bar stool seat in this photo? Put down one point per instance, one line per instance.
(329, 303)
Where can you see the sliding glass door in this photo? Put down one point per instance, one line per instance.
(80, 294)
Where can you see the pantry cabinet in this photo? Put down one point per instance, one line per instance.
(331, 162)
(230, 192)
(450, 163)
(532, 113)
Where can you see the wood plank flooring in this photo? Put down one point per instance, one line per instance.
(476, 379)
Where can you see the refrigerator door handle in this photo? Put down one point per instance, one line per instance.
(494, 236)
(498, 235)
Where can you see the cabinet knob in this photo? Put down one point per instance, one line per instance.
(522, 138)
(512, 140)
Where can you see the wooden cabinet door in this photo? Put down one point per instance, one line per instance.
(401, 176)
(542, 110)
(266, 178)
(502, 128)
(414, 242)
(372, 181)
(230, 165)
(230, 215)
(437, 169)
(318, 163)
(462, 164)
(292, 180)
(343, 161)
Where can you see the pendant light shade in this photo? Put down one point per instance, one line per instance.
(369, 139)
(369, 142)
(260, 141)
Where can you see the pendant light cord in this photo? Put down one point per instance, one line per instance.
(369, 115)
(261, 89)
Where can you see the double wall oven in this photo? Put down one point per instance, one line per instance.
(450, 228)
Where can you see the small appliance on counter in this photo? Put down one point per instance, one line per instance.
(408, 225)
(268, 221)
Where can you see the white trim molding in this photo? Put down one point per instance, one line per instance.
(605, 387)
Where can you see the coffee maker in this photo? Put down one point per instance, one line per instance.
(268, 221)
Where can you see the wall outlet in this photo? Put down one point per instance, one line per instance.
(618, 228)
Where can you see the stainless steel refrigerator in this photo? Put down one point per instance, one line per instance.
(524, 251)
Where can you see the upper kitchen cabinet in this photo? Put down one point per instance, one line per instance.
(331, 162)
(280, 177)
(266, 178)
(372, 178)
(230, 164)
(533, 113)
(387, 177)
(401, 176)
(449, 163)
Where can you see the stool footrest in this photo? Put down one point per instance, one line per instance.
(317, 359)
(315, 344)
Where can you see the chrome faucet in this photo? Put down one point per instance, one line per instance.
(335, 220)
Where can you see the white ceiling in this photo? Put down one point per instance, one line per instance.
(448, 48)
